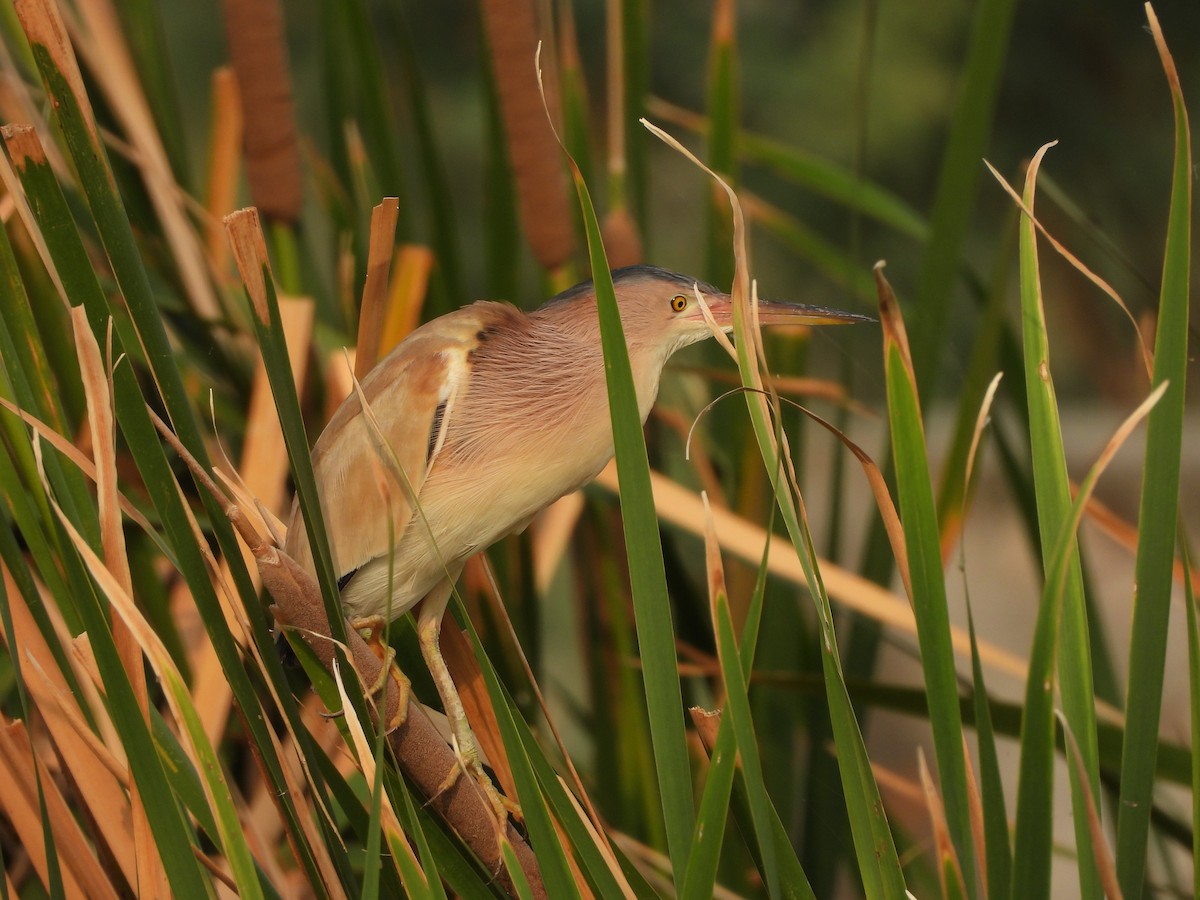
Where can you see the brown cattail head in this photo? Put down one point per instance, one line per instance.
(258, 52)
(532, 149)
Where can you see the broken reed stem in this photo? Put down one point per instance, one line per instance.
(373, 310)
(422, 752)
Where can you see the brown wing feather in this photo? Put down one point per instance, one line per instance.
(411, 394)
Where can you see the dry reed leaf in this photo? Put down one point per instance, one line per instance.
(695, 453)
(742, 289)
(25, 148)
(707, 723)
(151, 875)
(953, 523)
(892, 322)
(1125, 533)
(902, 790)
(20, 775)
(374, 297)
(19, 104)
(551, 531)
(744, 292)
(421, 751)
(299, 783)
(224, 164)
(1077, 264)
(946, 855)
(366, 760)
(655, 867)
(883, 500)
(156, 652)
(500, 611)
(406, 294)
(533, 152)
(262, 809)
(250, 253)
(79, 460)
(791, 385)
(744, 539)
(92, 769)
(468, 679)
(263, 473)
(1106, 456)
(29, 637)
(975, 807)
(339, 379)
(25, 819)
(66, 723)
(101, 43)
(43, 24)
(1104, 858)
(712, 559)
(601, 843)
(254, 31)
(98, 775)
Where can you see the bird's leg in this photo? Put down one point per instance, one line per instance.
(429, 629)
(371, 628)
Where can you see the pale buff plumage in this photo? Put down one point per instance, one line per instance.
(521, 410)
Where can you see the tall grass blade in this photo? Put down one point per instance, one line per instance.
(956, 188)
(1193, 644)
(652, 608)
(873, 843)
(552, 859)
(997, 849)
(1158, 512)
(714, 803)
(1061, 640)
(928, 585)
(722, 132)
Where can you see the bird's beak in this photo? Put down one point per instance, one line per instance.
(778, 312)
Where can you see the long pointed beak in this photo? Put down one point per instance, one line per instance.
(779, 312)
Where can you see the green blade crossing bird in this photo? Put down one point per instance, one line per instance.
(492, 414)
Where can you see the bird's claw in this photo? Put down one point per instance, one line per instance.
(371, 629)
(468, 761)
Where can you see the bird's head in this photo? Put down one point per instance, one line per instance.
(660, 312)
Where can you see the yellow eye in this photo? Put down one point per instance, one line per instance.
(679, 303)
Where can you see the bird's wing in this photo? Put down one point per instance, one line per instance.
(370, 468)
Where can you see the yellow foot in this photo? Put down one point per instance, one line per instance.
(502, 807)
(371, 629)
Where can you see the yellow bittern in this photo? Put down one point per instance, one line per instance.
(491, 414)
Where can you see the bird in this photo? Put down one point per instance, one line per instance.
(482, 418)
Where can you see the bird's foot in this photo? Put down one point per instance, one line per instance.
(371, 629)
(469, 762)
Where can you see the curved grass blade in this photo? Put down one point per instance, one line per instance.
(1031, 862)
(1062, 645)
(873, 842)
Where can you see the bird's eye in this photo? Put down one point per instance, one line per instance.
(679, 303)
